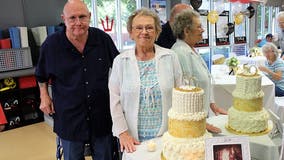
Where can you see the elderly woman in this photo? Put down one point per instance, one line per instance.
(274, 67)
(141, 83)
(188, 30)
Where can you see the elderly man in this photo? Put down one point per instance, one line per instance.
(77, 62)
(280, 20)
(167, 38)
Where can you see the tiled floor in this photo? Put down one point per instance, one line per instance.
(33, 142)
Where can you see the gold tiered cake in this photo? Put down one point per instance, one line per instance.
(247, 114)
(187, 125)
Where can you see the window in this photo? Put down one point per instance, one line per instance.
(111, 16)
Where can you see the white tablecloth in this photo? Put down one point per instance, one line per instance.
(261, 147)
(259, 60)
(141, 152)
(224, 84)
(279, 107)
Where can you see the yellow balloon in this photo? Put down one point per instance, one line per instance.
(213, 16)
(238, 18)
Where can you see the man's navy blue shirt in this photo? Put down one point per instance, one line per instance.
(79, 84)
(166, 38)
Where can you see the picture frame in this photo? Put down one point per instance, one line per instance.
(227, 148)
(277, 125)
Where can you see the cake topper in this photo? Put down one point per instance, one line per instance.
(247, 70)
(190, 81)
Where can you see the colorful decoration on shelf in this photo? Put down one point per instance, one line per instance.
(8, 83)
(108, 26)
(213, 16)
(232, 63)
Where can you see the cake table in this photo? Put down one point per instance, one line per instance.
(141, 152)
(262, 147)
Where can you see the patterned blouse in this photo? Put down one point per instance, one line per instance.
(150, 104)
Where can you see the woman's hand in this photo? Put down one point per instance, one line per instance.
(212, 128)
(217, 110)
(263, 69)
(127, 142)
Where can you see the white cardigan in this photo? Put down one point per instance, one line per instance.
(124, 87)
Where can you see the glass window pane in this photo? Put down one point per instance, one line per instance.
(258, 25)
(127, 8)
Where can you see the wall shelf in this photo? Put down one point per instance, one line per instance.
(17, 73)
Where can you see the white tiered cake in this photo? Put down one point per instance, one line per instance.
(187, 125)
(247, 114)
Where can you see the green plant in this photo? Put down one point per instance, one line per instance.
(232, 62)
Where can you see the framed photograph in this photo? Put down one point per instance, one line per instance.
(159, 6)
(240, 33)
(220, 32)
(277, 125)
(205, 35)
(227, 148)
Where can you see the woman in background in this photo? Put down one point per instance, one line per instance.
(188, 30)
(274, 67)
(141, 83)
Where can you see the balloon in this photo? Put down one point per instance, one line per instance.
(237, 7)
(196, 4)
(251, 11)
(244, 1)
(238, 18)
(219, 6)
(213, 16)
(231, 28)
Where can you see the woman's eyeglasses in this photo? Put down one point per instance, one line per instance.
(140, 28)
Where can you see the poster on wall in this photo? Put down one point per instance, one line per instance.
(205, 38)
(221, 29)
(159, 6)
(240, 33)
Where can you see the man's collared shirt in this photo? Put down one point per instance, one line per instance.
(79, 83)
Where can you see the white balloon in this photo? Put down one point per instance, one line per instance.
(237, 7)
(219, 6)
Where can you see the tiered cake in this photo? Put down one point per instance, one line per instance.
(187, 125)
(247, 114)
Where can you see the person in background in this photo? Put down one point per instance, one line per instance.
(3, 119)
(166, 38)
(188, 30)
(141, 83)
(268, 38)
(274, 67)
(280, 20)
(77, 62)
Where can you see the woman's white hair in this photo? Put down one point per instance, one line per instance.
(270, 47)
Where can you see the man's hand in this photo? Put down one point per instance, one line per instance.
(46, 105)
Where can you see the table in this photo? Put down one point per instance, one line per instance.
(224, 84)
(141, 152)
(261, 147)
(279, 107)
